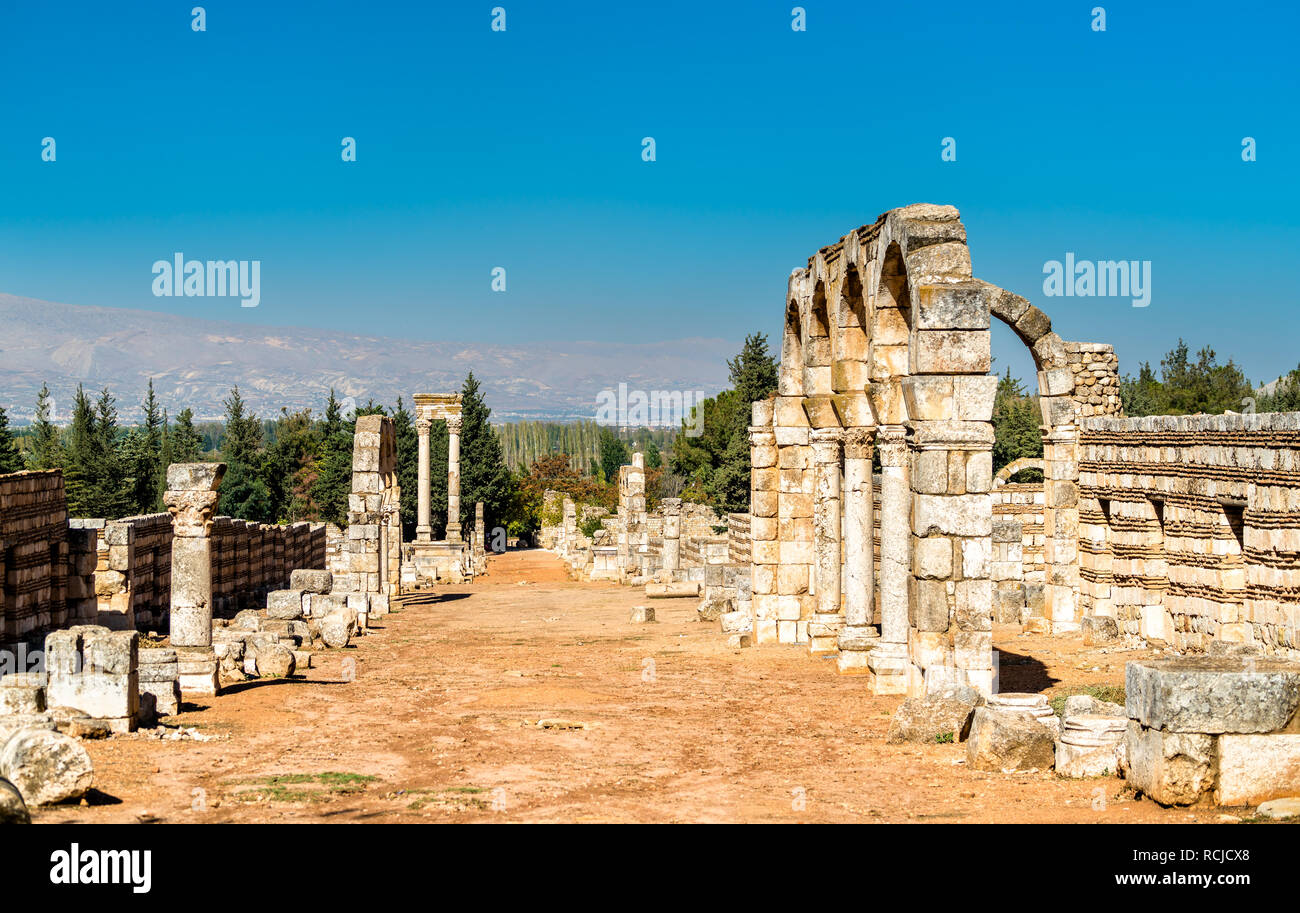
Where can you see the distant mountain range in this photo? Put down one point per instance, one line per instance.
(195, 362)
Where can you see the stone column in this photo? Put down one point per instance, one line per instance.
(480, 539)
(672, 554)
(453, 478)
(1061, 526)
(827, 620)
(764, 545)
(423, 532)
(191, 497)
(888, 659)
(859, 635)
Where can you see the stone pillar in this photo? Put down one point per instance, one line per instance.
(636, 514)
(764, 545)
(423, 531)
(859, 634)
(827, 620)
(453, 478)
(480, 540)
(191, 497)
(672, 554)
(887, 661)
(1061, 527)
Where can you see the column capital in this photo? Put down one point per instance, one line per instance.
(892, 443)
(826, 444)
(671, 507)
(422, 425)
(454, 424)
(859, 443)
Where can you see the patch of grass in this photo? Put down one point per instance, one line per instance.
(1112, 693)
(452, 798)
(322, 787)
(943, 738)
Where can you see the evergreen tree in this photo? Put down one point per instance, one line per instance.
(243, 493)
(483, 473)
(11, 460)
(408, 467)
(47, 450)
(613, 454)
(653, 458)
(1016, 422)
(167, 453)
(334, 482)
(145, 458)
(186, 442)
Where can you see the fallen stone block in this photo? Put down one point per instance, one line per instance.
(1204, 694)
(275, 662)
(247, 620)
(19, 697)
(337, 628)
(47, 767)
(13, 810)
(926, 719)
(166, 695)
(1002, 740)
(1090, 745)
(711, 608)
(740, 640)
(1280, 808)
(284, 605)
(1173, 768)
(677, 590)
(11, 725)
(1098, 630)
(1257, 768)
(737, 623)
(1086, 704)
(642, 614)
(311, 581)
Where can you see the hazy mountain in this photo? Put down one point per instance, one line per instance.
(194, 363)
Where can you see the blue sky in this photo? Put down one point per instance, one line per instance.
(522, 149)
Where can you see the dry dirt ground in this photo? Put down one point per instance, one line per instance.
(440, 723)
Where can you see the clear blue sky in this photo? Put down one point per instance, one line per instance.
(522, 149)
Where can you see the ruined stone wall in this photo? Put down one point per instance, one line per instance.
(1024, 502)
(34, 554)
(1096, 378)
(250, 559)
(129, 570)
(1189, 528)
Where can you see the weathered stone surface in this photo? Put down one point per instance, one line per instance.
(19, 698)
(284, 605)
(9, 725)
(311, 581)
(1001, 740)
(1205, 694)
(338, 628)
(642, 614)
(1280, 808)
(13, 810)
(47, 767)
(1087, 705)
(1098, 629)
(713, 607)
(275, 661)
(1256, 768)
(672, 590)
(247, 620)
(1173, 768)
(924, 719)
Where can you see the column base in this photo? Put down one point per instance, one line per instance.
(855, 644)
(198, 671)
(424, 534)
(888, 666)
(824, 632)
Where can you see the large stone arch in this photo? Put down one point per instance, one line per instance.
(887, 346)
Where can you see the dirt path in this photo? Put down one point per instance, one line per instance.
(439, 723)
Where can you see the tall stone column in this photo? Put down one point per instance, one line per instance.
(1061, 525)
(764, 545)
(827, 620)
(887, 661)
(191, 498)
(423, 531)
(859, 634)
(453, 478)
(672, 554)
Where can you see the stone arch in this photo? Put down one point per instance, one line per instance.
(792, 358)
(817, 344)
(1015, 466)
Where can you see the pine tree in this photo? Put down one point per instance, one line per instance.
(47, 450)
(613, 454)
(11, 460)
(483, 473)
(146, 458)
(334, 481)
(408, 467)
(243, 493)
(186, 442)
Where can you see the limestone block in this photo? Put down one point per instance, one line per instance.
(959, 305)
(951, 352)
(1173, 768)
(1003, 741)
(46, 767)
(954, 515)
(1211, 694)
(311, 581)
(1255, 768)
(1098, 630)
(932, 557)
(929, 398)
(284, 604)
(925, 719)
(931, 606)
(690, 588)
(642, 614)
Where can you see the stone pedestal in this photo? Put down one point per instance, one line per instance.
(191, 497)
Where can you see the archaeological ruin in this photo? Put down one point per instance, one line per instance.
(878, 539)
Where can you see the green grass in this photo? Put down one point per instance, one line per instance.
(943, 738)
(323, 787)
(1112, 693)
